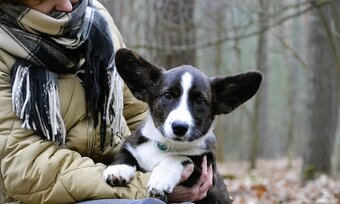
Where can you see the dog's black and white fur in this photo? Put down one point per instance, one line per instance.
(183, 103)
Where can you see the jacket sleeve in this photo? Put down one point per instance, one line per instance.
(38, 171)
(35, 171)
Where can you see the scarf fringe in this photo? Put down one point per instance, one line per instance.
(116, 103)
(53, 129)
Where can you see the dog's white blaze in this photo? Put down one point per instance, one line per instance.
(181, 113)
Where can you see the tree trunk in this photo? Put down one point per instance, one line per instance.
(334, 31)
(173, 28)
(261, 101)
(218, 64)
(323, 103)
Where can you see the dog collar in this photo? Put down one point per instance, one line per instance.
(166, 148)
(163, 147)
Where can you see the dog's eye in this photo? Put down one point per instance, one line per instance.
(200, 100)
(167, 96)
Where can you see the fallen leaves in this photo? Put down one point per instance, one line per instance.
(277, 181)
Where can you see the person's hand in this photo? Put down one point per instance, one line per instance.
(199, 190)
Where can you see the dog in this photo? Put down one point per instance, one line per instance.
(178, 131)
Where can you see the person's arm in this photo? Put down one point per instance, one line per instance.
(38, 171)
(35, 171)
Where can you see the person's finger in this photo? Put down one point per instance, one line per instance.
(204, 188)
(187, 172)
(208, 182)
(181, 194)
(201, 196)
(204, 172)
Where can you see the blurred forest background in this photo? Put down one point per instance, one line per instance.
(288, 133)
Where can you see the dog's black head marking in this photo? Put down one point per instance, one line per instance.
(184, 101)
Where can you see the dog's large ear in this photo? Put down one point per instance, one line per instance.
(138, 74)
(230, 92)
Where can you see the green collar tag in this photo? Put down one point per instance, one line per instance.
(163, 147)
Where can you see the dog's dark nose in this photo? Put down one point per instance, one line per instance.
(179, 128)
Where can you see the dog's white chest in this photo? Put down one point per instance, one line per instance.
(148, 155)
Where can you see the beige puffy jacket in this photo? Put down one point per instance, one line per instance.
(34, 170)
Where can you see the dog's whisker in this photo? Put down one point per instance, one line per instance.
(197, 131)
(197, 134)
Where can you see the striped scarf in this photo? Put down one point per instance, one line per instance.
(81, 45)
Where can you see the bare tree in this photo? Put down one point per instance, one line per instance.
(173, 26)
(261, 101)
(323, 102)
(334, 34)
(220, 21)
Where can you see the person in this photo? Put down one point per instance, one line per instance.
(64, 109)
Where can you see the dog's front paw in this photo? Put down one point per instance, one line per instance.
(118, 175)
(160, 184)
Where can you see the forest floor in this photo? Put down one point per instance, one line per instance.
(273, 181)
